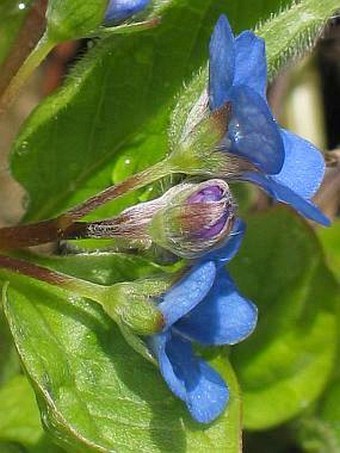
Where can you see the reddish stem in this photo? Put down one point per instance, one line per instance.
(33, 270)
(21, 236)
(66, 226)
(135, 182)
(29, 35)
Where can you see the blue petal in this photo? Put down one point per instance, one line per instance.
(286, 195)
(190, 378)
(221, 63)
(224, 317)
(230, 247)
(303, 168)
(188, 292)
(250, 62)
(119, 10)
(253, 132)
(157, 344)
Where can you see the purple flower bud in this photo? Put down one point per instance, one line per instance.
(210, 195)
(188, 220)
(120, 10)
(196, 220)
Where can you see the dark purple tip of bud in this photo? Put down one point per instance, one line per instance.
(212, 193)
(219, 198)
(120, 10)
(214, 230)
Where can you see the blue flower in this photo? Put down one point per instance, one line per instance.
(119, 10)
(204, 307)
(288, 167)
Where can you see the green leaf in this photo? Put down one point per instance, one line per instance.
(6, 447)
(103, 268)
(318, 431)
(329, 238)
(71, 20)
(295, 30)
(94, 391)
(285, 365)
(19, 415)
(20, 419)
(11, 17)
(115, 106)
(9, 363)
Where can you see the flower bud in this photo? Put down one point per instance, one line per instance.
(188, 220)
(197, 138)
(132, 304)
(196, 220)
(74, 19)
(119, 10)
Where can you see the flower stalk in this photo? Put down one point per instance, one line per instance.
(82, 287)
(65, 226)
(188, 220)
(28, 36)
(37, 55)
(129, 304)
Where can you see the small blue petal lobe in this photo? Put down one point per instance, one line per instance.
(250, 62)
(119, 10)
(253, 132)
(188, 292)
(221, 63)
(224, 317)
(286, 195)
(208, 398)
(303, 168)
(190, 378)
(230, 247)
(158, 345)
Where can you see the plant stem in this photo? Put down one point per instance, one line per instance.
(72, 284)
(20, 236)
(33, 60)
(137, 181)
(66, 226)
(97, 293)
(27, 38)
(127, 28)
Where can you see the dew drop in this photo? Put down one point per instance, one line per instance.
(22, 149)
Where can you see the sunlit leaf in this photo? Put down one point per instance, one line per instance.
(94, 391)
(287, 362)
(116, 105)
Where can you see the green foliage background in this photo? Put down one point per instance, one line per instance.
(111, 119)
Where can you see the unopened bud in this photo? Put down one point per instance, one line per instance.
(74, 19)
(188, 220)
(120, 10)
(197, 139)
(132, 305)
(196, 220)
(68, 20)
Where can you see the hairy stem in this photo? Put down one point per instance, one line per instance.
(29, 269)
(33, 60)
(29, 35)
(137, 181)
(66, 226)
(20, 236)
(82, 287)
